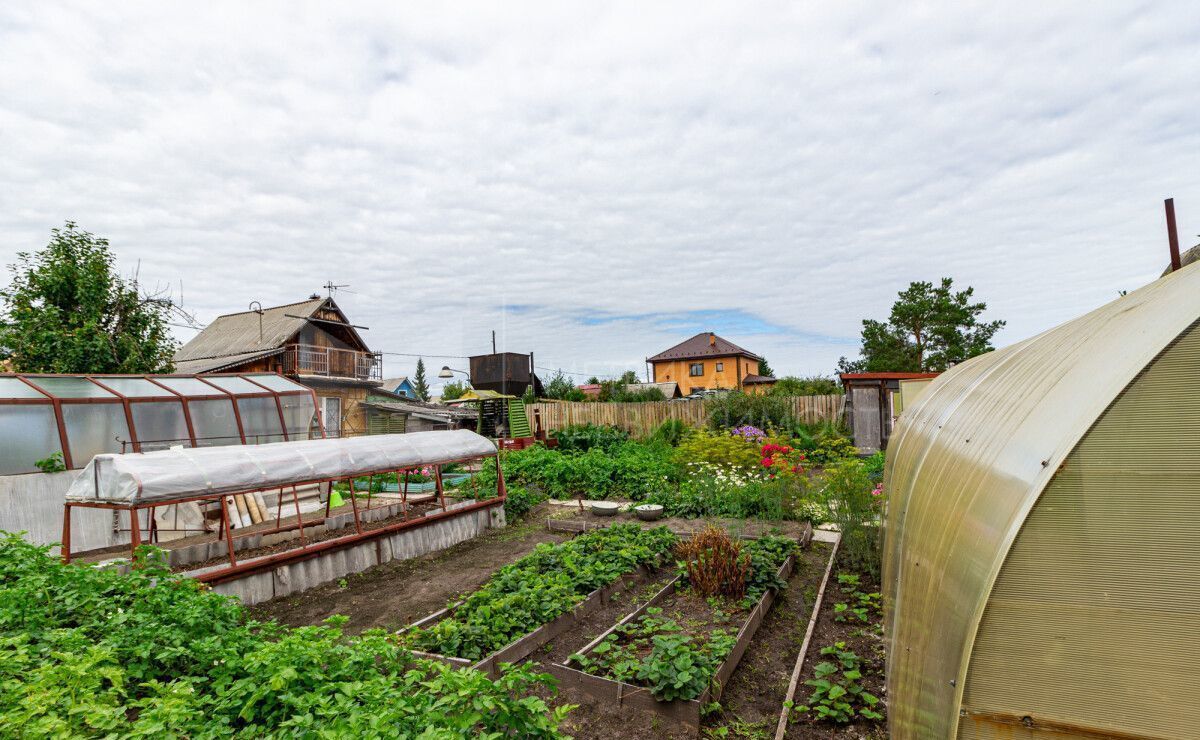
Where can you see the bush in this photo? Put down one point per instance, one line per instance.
(92, 652)
(584, 437)
(714, 563)
(670, 432)
(854, 504)
(520, 501)
(816, 385)
(726, 450)
(735, 409)
(823, 443)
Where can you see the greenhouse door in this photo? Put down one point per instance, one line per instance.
(331, 412)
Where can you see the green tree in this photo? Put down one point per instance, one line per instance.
(561, 388)
(629, 377)
(68, 311)
(816, 385)
(454, 389)
(764, 368)
(930, 328)
(420, 382)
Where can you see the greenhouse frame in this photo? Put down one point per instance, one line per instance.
(216, 475)
(1042, 539)
(81, 416)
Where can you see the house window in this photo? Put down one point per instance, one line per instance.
(720, 366)
(696, 369)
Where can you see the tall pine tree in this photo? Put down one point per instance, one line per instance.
(420, 384)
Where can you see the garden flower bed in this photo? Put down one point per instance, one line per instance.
(529, 602)
(674, 654)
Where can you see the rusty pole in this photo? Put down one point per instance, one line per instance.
(1172, 234)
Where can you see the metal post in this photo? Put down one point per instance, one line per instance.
(66, 535)
(1172, 234)
(135, 534)
(228, 534)
(404, 496)
(354, 507)
(441, 492)
(299, 518)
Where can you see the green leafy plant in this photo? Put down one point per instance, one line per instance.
(52, 464)
(539, 587)
(735, 409)
(837, 696)
(584, 437)
(88, 651)
(520, 501)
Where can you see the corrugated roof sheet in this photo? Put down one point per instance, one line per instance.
(416, 407)
(968, 462)
(758, 380)
(238, 333)
(704, 344)
(216, 364)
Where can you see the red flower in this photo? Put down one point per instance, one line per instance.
(766, 461)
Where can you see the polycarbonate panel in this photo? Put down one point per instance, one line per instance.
(260, 420)
(966, 465)
(70, 387)
(299, 416)
(93, 428)
(159, 424)
(277, 383)
(1096, 606)
(214, 422)
(30, 434)
(16, 388)
(240, 386)
(190, 386)
(133, 387)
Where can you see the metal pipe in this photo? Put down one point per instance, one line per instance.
(1172, 234)
(66, 535)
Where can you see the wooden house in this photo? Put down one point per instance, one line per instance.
(401, 386)
(708, 362)
(311, 341)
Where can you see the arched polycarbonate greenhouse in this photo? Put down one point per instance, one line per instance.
(1042, 550)
(80, 416)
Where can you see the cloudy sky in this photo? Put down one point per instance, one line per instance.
(598, 181)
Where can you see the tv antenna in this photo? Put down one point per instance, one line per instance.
(330, 288)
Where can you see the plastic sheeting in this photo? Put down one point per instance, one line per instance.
(170, 475)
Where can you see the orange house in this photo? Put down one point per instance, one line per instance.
(708, 362)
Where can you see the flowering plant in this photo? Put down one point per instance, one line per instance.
(750, 433)
(779, 459)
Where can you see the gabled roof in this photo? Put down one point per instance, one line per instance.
(670, 390)
(235, 337)
(704, 344)
(395, 382)
(758, 380)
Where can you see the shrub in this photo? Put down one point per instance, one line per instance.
(92, 652)
(520, 501)
(628, 470)
(735, 409)
(670, 432)
(854, 504)
(816, 385)
(714, 563)
(726, 450)
(584, 437)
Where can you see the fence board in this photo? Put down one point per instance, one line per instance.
(640, 419)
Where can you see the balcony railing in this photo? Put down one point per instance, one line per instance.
(330, 362)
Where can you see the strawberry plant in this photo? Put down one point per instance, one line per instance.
(538, 588)
(837, 696)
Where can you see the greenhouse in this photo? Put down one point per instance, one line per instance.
(80, 416)
(1043, 533)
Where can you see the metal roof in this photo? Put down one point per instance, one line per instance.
(704, 344)
(216, 364)
(969, 461)
(238, 333)
(418, 408)
(758, 380)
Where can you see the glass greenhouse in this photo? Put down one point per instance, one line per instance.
(80, 416)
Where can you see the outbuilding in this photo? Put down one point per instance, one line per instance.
(1042, 547)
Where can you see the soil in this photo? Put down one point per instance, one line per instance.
(395, 594)
(569, 516)
(866, 640)
(750, 704)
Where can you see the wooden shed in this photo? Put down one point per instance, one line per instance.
(1042, 545)
(870, 408)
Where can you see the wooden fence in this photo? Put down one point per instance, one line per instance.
(640, 419)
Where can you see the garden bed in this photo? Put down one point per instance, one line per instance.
(674, 615)
(850, 643)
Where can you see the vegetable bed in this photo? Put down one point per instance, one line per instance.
(530, 601)
(674, 654)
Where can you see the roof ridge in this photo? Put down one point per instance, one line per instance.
(272, 308)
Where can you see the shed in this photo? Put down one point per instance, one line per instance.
(1043, 533)
(869, 405)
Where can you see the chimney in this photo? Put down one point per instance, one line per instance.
(712, 339)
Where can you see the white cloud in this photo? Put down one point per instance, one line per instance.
(795, 163)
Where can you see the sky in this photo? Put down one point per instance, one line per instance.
(599, 181)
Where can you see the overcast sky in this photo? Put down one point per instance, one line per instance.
(599, 181)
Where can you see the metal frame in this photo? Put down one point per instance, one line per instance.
(168, 395)
(306, 549)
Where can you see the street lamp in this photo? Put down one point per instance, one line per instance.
(448, 372)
